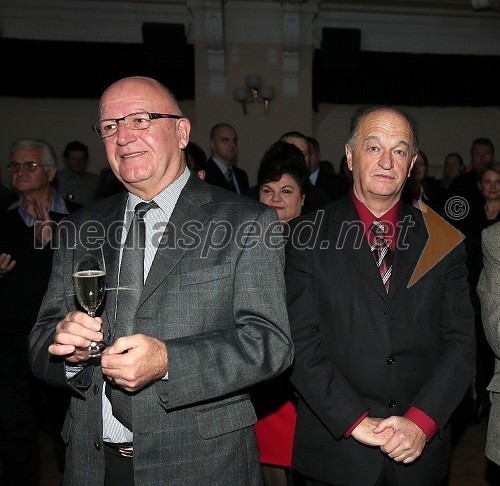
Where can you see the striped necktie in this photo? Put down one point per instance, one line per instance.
(382, 252)
(130, 287)
(230, 179)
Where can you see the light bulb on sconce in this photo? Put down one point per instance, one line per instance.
(253, 93)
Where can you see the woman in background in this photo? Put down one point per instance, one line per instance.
(283, 179)
(472, 226)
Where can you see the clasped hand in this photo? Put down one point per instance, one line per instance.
(6, 263)
(398, 437)
(131, 362)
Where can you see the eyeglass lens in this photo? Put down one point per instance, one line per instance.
(135, 121)
(28, 166)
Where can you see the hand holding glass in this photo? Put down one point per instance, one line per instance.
(89, 276)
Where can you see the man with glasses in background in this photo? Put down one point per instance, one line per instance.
(203, 318)
(25, 263)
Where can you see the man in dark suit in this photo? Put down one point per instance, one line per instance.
(335, 185)
(377, 362)
(25, 264)
(316, 198)
(220, 170)
(482, 153)
(167, 402)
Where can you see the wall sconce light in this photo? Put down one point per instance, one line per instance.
(253, 93)
(486, 4)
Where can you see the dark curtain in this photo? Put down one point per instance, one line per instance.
(56, 69)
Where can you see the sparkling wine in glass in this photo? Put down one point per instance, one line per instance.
(89, 283)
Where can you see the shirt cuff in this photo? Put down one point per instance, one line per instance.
(349, 432)
(422, 420)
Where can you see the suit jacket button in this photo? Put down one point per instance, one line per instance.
(391, 403)
(390, 360)
(96, 389)
(97, 446)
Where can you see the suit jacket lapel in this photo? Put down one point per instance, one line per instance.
(357, 249)
(113, 225)
(350, 235)
(188, 208)
(410, 244)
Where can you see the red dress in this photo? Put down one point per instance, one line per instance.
(276, 410)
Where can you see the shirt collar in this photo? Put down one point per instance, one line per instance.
(314, 176)
(56, 205)
(390, 218)
(166, 199)
(221, 165)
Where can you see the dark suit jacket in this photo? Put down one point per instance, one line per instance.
(345, 327)
(219, 306)
(214, 176)
(335, 185)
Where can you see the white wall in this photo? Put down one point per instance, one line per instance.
(58, 121)
(441, 130)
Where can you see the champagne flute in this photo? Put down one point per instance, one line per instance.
(89, 275)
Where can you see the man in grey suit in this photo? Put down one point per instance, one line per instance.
(488, 290)
(210, 320)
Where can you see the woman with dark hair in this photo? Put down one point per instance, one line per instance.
(196, 159)
(420, 186)
(283, 179)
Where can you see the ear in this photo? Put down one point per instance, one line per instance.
(303, 199)
(201, 174)
(348, 154)
(414, 158)
(51, 171)
(183, 131)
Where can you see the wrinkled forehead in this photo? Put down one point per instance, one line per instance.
(388, 123)
(27, 154)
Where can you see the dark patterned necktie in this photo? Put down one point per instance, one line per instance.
(230, 179)
(129, 292)
(382, 252)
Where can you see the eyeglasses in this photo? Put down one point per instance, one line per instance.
(27, 166)
(135, 121)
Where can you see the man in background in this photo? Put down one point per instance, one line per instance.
(221, 170)
(25, 264)
(482, 153)
(316, 197)
(75, 182)
(336, 186)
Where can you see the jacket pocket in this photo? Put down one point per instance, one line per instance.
(207, 274)
(225, 419)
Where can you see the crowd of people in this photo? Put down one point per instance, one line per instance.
(268, 334)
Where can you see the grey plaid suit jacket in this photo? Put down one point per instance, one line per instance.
(488, 290)
(215, 295)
